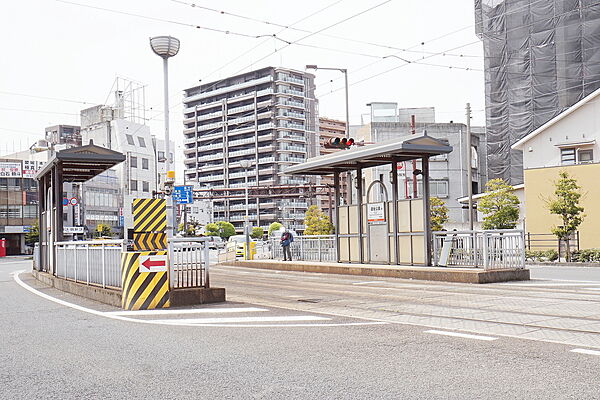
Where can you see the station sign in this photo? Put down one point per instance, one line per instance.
(69, 230)
(376, 212)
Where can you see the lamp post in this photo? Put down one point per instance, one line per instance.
(246, 164)
(165, 47)
(345, 72)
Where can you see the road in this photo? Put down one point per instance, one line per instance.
(300, 336)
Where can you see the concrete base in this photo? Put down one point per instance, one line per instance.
(464, 275)
(100, 294)
(192, 296)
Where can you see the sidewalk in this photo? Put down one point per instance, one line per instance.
(443, 274)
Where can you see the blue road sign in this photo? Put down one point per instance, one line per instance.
(182, 194)
(121, 220)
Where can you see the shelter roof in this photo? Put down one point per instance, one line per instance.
(403, 148)
(82, 163)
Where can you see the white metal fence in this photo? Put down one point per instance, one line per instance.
(307, 248)
(490, 249)
(96, 262)
(189, 262)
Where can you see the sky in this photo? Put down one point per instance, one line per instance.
(62, 56)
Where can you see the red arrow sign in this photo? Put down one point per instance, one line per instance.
(149, 263)
(153, 263)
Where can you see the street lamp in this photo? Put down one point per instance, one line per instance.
(246, 164)
(345, 72)
(165, 47)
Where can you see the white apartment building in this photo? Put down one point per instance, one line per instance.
(137, 177)
(257, 123)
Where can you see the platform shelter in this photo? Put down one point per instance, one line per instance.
(392, 231)
(76, 165)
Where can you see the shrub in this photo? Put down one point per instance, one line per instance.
(587, 255)
(541, 255)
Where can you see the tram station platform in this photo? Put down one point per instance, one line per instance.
(442, 274)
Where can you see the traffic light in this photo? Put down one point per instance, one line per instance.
(337, 143)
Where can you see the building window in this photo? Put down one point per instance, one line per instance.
(144, 163)
(585, 156)
(567, 156)
(438, 188)
(133, 184)
(142, 141)
(145, 186)
(161, 156)
(133, 161)
(130, 140)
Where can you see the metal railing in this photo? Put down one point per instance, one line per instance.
(307, 248)
(490, 249)
(189, 262)
(94, 262)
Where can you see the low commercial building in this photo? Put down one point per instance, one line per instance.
(568, 142)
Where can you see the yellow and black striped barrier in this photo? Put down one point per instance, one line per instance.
(145, 280)
(149, 241)
(149, 215)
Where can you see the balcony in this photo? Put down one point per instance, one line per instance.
(291, 147)
(232, 88)
(290, 103)
(211, 178)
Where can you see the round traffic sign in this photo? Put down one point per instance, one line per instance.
(73, 201)
(65, 201)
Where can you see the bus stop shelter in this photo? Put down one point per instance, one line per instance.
(392, 231)
(76, 165)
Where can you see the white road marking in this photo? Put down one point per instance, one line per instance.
(171, 322)
(587, 351)
(215, 310)
(592, 288)
(366, 283)
(462, 335)
(197, 321)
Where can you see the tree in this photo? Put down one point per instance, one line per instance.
(438, 212)
(275, 226)
(33, 235)
(565, 204)
(316, 222)
(190, 229)
(257, 232)
(220, 228)
(102, 230)
(499, 205)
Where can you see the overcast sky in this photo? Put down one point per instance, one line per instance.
(72, 53)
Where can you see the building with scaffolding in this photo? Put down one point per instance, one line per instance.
(541, 57)
(252, 126)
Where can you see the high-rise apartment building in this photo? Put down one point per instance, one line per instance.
(540, 58)
(330, 129)
(252, 126)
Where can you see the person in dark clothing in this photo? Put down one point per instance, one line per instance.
(286, 240)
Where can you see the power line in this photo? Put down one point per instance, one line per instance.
(36, 111)
(46, 97)
(169, 21)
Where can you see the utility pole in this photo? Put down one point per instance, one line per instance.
(469, 168)
(414, 162)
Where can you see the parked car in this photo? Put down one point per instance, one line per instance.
(239, 241)
(215, 243)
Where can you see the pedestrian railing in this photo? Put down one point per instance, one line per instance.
(94, 262)
(490, 249)
(307, 248)
(189, 262)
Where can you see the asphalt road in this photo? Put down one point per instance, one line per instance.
(565, 273)
(50, 350)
